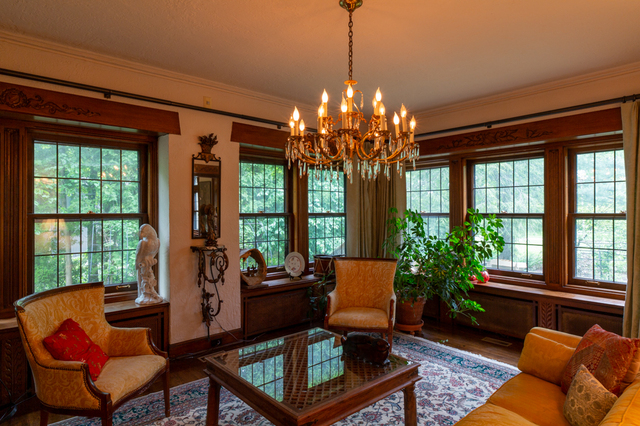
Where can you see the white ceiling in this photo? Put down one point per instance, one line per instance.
(423, 53)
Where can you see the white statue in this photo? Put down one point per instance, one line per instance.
(145, 259)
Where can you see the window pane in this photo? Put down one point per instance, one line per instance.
(326, 196)
(68, 161)
(44, 160)
(77, 179)
(513, 188)
(428, 194)
(45, 197)
(267, 234)
(599, 244)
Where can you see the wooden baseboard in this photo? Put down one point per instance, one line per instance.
(202, 344)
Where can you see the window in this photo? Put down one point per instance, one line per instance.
(88, 204)
(428, 194)
(514, 191)
(327, 218)
(264, 207)
(598, 219)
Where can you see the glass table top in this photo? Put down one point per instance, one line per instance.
(302, 369)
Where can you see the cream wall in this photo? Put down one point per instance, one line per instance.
(177, 264)
(177, 274)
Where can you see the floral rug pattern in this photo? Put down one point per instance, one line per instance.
(453, 383)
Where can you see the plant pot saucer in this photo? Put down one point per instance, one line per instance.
(410, 328)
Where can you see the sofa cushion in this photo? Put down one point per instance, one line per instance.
(363, 318)
(537, 400)
(71, 343)
(587, 400)
(606, 355)
(123, 375)
(490, 415)
(544, 358)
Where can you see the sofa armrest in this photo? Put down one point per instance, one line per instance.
(333, 303)
(131, 342)
(390, 304)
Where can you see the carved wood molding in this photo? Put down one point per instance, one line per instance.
(32, 101)
(493, 138)
(534, 132)
(17, 99)
(546, 315)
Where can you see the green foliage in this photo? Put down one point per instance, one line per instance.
(73, 179)
(428, 266)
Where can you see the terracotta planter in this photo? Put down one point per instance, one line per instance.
(410, 315)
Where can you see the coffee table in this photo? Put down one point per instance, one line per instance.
(304, 379)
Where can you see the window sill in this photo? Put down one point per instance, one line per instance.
(558, 297)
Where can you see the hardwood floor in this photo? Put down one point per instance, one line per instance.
(190, 368)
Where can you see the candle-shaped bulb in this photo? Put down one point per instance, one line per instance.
(350, 92)
(403, 111)
(343, 105)
(320, 111)
(296, 114)
(382, 110)
(291, 122)
(374, 103)
(325, 97)
(378, 95)
(413, 123)
(396, 119)
(301, 126)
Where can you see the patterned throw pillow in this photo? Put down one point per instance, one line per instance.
(606, 355)
(588, 402)
(71, 343)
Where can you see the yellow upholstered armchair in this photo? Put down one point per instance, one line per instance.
(66, 387)
(363, 299)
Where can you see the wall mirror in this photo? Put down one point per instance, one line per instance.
(206, 192)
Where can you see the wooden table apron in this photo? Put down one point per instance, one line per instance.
(325, 413)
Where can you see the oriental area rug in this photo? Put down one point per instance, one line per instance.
(453, 383)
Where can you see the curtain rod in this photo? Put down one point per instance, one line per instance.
(489, 124)
(109, 92)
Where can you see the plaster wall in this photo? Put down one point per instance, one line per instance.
(177, 264)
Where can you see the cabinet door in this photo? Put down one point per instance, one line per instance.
(154, 322)
(276, 311)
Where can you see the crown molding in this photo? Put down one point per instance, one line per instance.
(136, 67)
(541, 89)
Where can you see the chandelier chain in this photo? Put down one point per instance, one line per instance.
(350, 46)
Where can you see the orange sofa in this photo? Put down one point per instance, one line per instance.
(533, 397)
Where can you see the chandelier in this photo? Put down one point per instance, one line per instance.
(338, 143)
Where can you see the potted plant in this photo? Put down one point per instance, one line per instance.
(429, 267)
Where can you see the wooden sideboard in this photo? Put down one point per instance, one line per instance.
(276, 304)
(14, 368)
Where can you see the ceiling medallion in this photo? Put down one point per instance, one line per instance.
(338, 144)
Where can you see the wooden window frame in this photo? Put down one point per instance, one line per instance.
(17, 135)
(507, 156)
(310, 261)
(554, 138)
(99, 141)
(572, 215)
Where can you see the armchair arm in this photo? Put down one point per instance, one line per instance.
(332, 306)
(131, 342)
(390, 305)
(66, 384)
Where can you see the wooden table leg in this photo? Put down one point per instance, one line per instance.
(213, 403)
(410, 408)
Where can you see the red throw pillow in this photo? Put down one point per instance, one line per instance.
(606, 355)
(71, 343)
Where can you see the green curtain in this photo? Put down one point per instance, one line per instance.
(368, 204)
(631, 141)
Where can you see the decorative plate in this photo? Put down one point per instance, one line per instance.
(294, 264)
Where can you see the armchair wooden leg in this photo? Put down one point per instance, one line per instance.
(167, 399)
(107, 419)
(44, 418)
